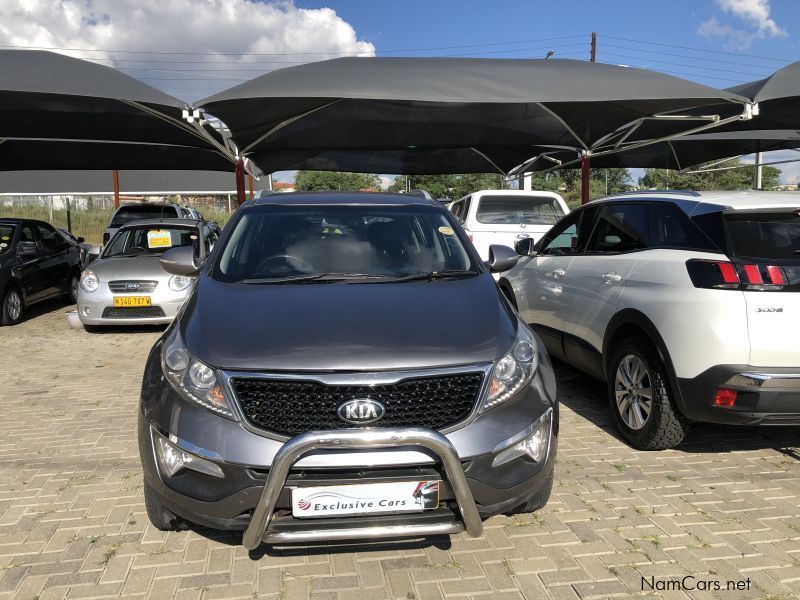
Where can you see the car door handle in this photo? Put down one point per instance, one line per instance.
(559, 273)
(612, 277)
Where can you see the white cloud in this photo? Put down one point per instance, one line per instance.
(756, 16)
(225, 28)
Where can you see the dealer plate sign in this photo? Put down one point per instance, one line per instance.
(365, 499)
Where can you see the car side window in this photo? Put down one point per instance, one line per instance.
(26, 234)
(620, 228)
(568, 236)
(51, 241)
(670, 227)
(210, 238)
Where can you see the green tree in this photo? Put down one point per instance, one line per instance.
(448, 186)
(731, 179)
(313, 181)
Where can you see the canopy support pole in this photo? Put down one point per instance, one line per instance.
(758, 172)
(250, 184)
(240, 192)
(115, 176)
(585, 177)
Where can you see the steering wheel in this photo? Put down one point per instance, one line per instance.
(135, 250)
(287, 260)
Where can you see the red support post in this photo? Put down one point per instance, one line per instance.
(250, 184)
(585, 173)
(240, 191)
(115, 176)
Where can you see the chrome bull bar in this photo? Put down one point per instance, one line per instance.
(354, 439)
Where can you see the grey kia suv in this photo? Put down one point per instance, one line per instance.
(345, 368)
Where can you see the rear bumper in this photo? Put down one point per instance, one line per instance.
(765, 396)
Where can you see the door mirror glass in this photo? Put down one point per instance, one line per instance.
(180, 261)
(501, 258)
(525, 247)
(27, 250)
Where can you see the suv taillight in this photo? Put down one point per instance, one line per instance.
(757, 277)
(713, 274)
(729, 276)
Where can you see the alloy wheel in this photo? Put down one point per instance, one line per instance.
(73, 288)
(633, 391)
(14, 305)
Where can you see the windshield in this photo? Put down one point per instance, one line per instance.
(518, 210)
(6, 235)
(140, 212)
(765, 235)
(136, 241)
(274, 242)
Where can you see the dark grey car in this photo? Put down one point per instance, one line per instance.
(345, 368)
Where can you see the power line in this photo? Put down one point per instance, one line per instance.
(773, 58)
(683, 74)
(160, 52)
(674, 64)
(719, 60)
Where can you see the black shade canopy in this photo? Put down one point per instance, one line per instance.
(409, 161)
(22, 155)
(391, 104)
(49, 96)
(682, 152)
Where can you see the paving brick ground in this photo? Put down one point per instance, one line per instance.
(723, 507)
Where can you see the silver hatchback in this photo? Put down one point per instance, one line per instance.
(126, 285)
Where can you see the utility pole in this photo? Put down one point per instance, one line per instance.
(758, 172)
(593, 55)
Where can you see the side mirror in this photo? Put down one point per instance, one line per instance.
(80, 240)
(27, 250)
(180, 261)
(501, 258)
(526, 247)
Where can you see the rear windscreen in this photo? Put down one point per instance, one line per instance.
(517, 210)
(765, 235)
(127, 214)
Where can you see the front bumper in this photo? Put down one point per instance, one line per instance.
(764, 396)
(259, 472)
(94, 307)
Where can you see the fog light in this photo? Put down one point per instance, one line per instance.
(86, 311)
(532, 442)
(172, 460)
(725, 397)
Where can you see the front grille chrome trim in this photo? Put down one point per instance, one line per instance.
(356, 378)
(258, 529)
(132, 286)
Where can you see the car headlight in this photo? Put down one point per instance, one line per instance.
(89, 281)
(178, 283)
(191, 378)
(513, 371)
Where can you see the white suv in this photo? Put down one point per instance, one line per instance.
(506, 216)
(687, 304)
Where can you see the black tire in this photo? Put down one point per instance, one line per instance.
(12, 306)
(72, 290)
(664, 426)
(539, 499)
(161, 518)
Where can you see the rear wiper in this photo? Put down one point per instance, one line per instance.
(448, 274)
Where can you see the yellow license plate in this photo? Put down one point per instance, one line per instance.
(132, 301)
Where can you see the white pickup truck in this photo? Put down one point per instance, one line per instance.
(507, 216)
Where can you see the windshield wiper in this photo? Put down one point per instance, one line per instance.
(316, 278)
(431, 275)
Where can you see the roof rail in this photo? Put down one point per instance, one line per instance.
(691, 193)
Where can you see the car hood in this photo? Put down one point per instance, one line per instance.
(137, 267)
(348, 326)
